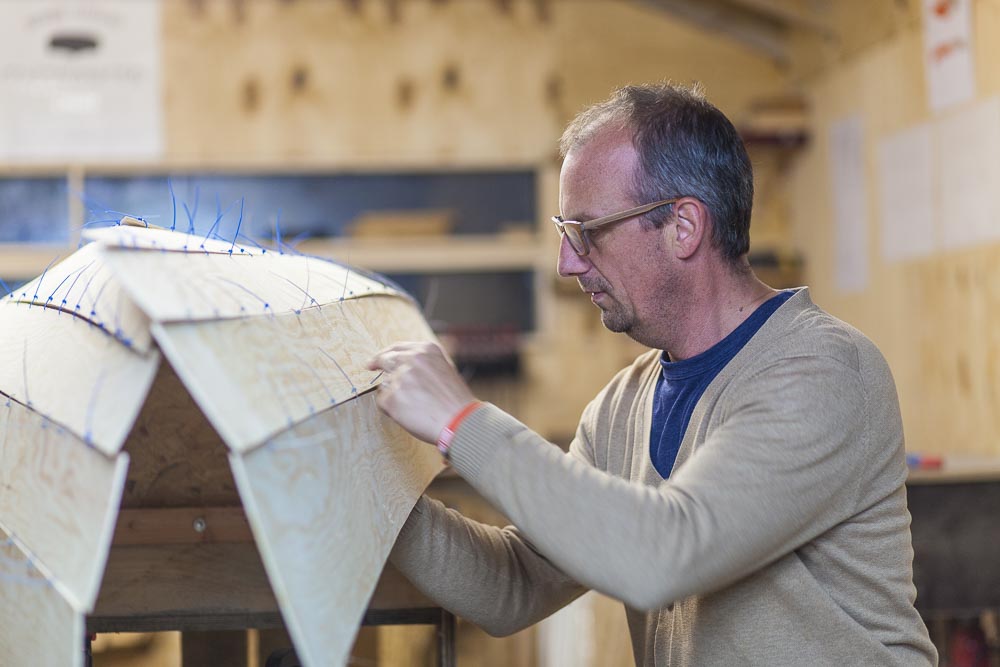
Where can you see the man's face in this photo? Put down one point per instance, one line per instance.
(626, 265)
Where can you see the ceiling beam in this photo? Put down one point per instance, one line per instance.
(762, 33)
(785, 12)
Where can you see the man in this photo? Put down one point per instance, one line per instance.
(739, 487)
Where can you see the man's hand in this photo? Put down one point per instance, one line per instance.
(420, 388)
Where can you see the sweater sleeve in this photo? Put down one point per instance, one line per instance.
(488, 575)
(783, 467)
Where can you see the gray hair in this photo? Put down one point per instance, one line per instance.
(686, 147)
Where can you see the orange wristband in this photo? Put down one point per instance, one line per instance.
(448, 432)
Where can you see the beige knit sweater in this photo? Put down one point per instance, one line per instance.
(781, 537)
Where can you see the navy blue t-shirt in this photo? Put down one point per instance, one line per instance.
(682, 383)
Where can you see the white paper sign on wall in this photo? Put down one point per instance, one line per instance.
(80, 81)
(849, 195)
(948, 55)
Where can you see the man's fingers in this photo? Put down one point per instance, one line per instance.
(387, 359)
(391, 357)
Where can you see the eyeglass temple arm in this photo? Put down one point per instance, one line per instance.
(608, 219)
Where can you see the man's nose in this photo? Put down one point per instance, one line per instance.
(570, 263)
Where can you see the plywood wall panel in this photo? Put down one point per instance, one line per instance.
(370, 82)
(935, 318)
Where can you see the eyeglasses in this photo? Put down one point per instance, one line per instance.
(575, 231)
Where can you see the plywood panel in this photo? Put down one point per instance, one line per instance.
(37, 626)
(59, 498)
(251, 388)
(177, 458)
(326, 500)
(415, 82)
(73, 373)
(172, 280)
(81, 286)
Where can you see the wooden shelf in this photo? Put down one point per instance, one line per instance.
(450, 254)
(24, 261)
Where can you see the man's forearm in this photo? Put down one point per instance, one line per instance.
(482, 573)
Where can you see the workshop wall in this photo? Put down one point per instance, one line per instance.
(431, 84)
(934, 317)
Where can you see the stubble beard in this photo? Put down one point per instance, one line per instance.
(617, 319)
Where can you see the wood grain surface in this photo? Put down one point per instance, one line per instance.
(59, 498)
(73, 373)
(177, 458)
(256, 377)
(172, 279)
(37, 626)
(82, 286)
(326, 500)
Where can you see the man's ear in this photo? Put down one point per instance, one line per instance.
(692, 225)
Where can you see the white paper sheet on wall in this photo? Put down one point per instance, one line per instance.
(948, 57)
(80, 80)
(850, 203)
(907, 200)
(968, 160)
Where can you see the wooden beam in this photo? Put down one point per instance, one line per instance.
(454, 254)
(182, 525)
(787, 13)
(183, 587)
(760, 33)
(203, 587)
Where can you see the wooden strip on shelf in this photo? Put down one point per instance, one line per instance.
(182, 525)
(37, 626)
(73, 373)
(446, 254)
(58, 498)
(326, 500)
(255, 377)
(24, 261)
